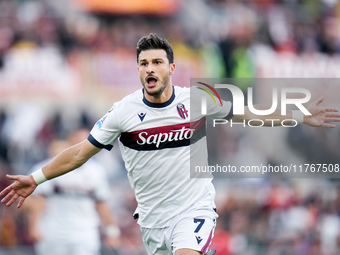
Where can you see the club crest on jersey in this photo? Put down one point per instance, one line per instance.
(183, 113)
(141, 116)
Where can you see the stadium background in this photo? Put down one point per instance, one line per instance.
(63, 64)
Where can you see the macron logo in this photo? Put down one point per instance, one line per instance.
(199, 239)
(141, 116)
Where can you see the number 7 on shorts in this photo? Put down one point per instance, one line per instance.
(200, 224)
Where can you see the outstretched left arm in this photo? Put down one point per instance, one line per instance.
(321, 115)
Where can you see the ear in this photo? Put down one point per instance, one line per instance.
(172, 68)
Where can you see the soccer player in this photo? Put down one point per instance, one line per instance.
(176, 213)
(65, 214)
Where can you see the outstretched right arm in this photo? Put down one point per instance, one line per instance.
(65, 162)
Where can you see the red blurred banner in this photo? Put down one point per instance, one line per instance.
(158, 7)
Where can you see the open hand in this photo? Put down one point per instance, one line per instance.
(321, 115)
(21, 188)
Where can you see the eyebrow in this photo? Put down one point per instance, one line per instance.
(154, 59)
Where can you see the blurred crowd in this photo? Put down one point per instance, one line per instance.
(228, 38)
(222, 28)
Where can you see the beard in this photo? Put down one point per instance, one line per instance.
(164, 83)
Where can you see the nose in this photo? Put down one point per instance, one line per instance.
(149, 69)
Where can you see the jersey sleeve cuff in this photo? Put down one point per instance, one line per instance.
(94, 142)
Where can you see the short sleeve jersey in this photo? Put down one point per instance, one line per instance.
(156, 142)
(70, 212)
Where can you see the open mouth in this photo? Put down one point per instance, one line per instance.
(151, 80)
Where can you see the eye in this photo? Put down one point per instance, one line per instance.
(143, 64)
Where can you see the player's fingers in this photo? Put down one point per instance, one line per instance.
(332, 114)
(319, 101)
(327, 125)
(8, 196)
(10, 193)
(12, 177)
(6, 190)
(21, 201)
(14, 197)
(330, 109)
(328, 119)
